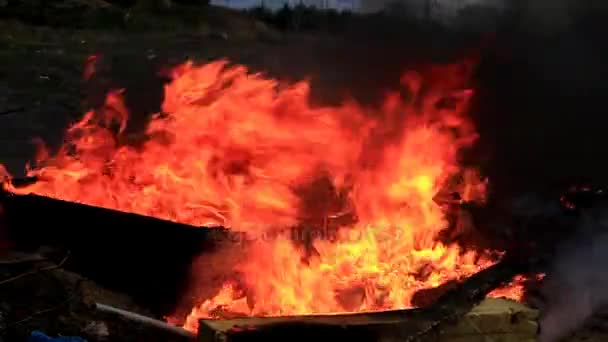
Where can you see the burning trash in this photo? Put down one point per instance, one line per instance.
(361, 186)
(239, 150)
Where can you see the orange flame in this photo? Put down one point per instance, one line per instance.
(516, 288)
(243, 151)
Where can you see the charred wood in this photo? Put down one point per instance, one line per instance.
(142, 256)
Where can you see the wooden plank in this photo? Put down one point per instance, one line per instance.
(495, 318)
(342, 325)
(397, 325)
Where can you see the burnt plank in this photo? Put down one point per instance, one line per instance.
(145, 257)
(351, 327)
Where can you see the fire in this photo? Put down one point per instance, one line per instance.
(516, 289)
(247, 152)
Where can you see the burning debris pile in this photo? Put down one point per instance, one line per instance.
(338, 209)
(244, 152)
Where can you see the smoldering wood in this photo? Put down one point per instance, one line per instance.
(398, 325)
(144, 257)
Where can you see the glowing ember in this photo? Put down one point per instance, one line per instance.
(239, 150)
(516, 289)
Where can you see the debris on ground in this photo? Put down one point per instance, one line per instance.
(41, 300)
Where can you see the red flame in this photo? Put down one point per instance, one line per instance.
(516, 289)
(239, 150)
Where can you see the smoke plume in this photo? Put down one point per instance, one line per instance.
(575, 288)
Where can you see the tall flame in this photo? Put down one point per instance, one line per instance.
(246, 152)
